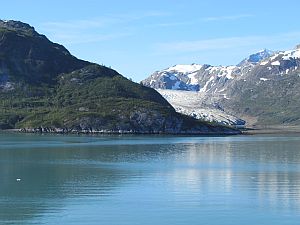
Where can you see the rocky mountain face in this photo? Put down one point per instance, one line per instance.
(262, 89)
(179, 77)
(256, 57)
(28, 57)
(43, 88)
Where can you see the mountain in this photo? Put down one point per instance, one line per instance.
(29, 57)
(190, 77)
(269, 93)
(257, 57)
(43, 88)
(178, 77)
(263, 89)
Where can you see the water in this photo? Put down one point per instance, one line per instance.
(161, 180)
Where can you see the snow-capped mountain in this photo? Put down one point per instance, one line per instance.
(283, 58)
(186, 77)
(262, 89)
(196, 77)
(178, 77)
(257, 57)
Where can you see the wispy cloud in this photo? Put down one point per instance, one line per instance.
(78, 24)
(96, 29)
(224, 18)
(103, 21)
(174, 24)
(71, 39)
(203, 20)
(224, 43)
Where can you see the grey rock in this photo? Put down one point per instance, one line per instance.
(262, 89)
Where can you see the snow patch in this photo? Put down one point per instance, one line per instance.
(193, 79)
(204, 89)
(184, 68)
(222, 71)
(263, 79)
(285, 55)
(292, 54)
(225, 96)
(263, 63)
(274, 57)
(229, 71)
(276, 63)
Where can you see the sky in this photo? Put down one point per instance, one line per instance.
(139, 37)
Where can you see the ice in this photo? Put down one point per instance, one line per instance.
(190, 103)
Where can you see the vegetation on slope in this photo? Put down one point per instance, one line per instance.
(43, 85)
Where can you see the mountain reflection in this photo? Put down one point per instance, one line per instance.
(265, 171)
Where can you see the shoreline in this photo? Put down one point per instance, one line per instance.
(255, 130)
(114, 132)
(271, 130)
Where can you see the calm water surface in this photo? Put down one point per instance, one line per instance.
(149, 180)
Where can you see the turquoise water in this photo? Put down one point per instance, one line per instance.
(161, 180)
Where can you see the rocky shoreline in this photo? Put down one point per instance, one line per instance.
(48, 130)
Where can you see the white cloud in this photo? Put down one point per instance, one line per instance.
(78, 24)
(173, 24)
(71, 39)
(231, 17)
(96, 29)
(225, 43)
(203, 20)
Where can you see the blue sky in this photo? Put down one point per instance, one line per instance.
(139, 37)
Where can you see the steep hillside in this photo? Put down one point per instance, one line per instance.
(44, 88)
(270, 91)
(27, 57)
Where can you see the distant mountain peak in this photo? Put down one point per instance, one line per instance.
(185, 69)
(257, 57)
(264, 50)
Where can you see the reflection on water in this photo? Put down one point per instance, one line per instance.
(149, 180)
